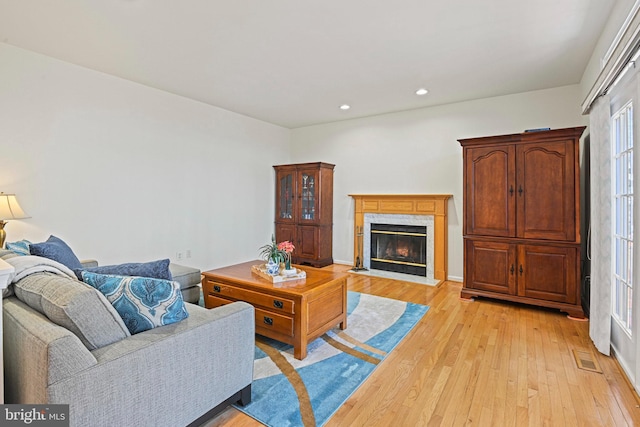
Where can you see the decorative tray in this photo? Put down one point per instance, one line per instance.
(261, 270)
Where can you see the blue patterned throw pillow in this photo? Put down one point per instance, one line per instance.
(142, 302)
(20, 247)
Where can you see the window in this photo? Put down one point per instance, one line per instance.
(622, 219)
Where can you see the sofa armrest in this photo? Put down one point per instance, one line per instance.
(206, 357)
(88, 263)
(37, 352)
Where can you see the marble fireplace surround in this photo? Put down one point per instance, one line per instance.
(419, 209)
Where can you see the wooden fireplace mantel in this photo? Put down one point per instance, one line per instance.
(408, 204)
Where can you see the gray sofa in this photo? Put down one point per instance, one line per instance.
(62, 346)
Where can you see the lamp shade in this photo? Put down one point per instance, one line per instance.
(10, 208)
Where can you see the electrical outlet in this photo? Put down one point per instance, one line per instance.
(179, 255)
(188, 253)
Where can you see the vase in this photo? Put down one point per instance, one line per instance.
(288, 270)
(273, 267)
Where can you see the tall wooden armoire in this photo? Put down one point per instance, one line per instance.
(522, 218)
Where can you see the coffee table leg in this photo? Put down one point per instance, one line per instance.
(300, 351)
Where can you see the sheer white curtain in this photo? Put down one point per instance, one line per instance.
(600, 306)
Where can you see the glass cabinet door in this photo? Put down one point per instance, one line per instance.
(285, 195)
(308, 195)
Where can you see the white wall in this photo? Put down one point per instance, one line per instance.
(417, 152)
(127, 173)
(124, 172)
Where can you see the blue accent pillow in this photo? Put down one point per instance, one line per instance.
(56, 249)
(20, 247)
(142, 302)
(154, 269)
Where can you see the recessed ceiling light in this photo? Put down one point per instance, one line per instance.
(422, 91)
(345, 107)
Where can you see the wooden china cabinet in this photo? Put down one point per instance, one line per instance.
(304, 211)
(522, 218)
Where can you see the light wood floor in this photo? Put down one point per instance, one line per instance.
(485, 363)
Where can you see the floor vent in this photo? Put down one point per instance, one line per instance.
(586, 360)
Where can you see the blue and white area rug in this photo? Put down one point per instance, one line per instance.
(291, 392)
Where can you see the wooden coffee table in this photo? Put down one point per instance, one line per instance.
(295, 312)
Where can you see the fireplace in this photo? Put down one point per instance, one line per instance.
(421, 210)
(414, 255)
(399, 248)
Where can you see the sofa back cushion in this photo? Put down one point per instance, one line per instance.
(73, 305)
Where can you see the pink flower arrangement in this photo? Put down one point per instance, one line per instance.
(286, 247)
(278, 252)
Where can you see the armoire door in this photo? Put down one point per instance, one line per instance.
(547, 273)
(490, 266)
(490, 201)
(546, 191)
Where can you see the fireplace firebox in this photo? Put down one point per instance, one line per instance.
(399, 248)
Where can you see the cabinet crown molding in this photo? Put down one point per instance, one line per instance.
(524, 137)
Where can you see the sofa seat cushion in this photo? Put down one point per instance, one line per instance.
(74, 305)
(143, 303)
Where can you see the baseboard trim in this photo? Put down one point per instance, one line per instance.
(624, 374)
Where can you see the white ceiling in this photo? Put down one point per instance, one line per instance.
(294, 62)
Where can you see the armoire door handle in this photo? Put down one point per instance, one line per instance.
(520, 190)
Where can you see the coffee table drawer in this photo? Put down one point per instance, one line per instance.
(253, 298)
(211, 301)
(267, 321)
